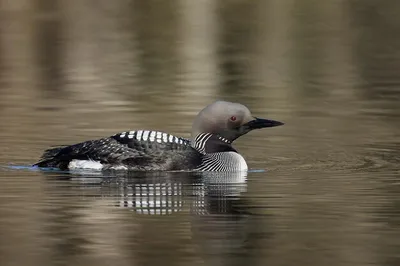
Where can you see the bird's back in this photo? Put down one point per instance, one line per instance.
(142, 150)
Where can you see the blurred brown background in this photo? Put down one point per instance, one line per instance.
(72, 70)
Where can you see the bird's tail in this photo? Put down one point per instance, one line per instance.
(48, 157)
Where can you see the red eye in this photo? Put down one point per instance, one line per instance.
(233, 118)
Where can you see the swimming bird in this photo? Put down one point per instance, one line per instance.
(210, 148)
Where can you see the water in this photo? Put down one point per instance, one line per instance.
(322, 190)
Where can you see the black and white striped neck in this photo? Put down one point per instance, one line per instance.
(211, 143)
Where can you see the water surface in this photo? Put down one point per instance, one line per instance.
(323, 189)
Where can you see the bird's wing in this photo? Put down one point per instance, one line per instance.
(149, 141)
(135, 146)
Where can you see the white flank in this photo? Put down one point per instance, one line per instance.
(85, 164)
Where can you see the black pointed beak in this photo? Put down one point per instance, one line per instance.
(262, 123)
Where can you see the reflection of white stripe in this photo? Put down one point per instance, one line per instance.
(153, 199)
(152, 207)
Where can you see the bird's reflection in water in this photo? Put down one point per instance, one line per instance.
(164, 193)
(217, 193)
(152, 195)
(218, 218)
(167, 193)
(220, 224)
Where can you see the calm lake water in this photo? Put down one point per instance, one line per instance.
(322, 190)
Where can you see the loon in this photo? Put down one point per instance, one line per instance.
(210, 148)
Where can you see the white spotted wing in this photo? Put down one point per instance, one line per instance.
(146, 140)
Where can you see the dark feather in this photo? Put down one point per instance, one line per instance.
(122, 149)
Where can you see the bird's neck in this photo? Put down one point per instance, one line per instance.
(211, 143)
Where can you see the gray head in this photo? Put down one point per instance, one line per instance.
(228, 120)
